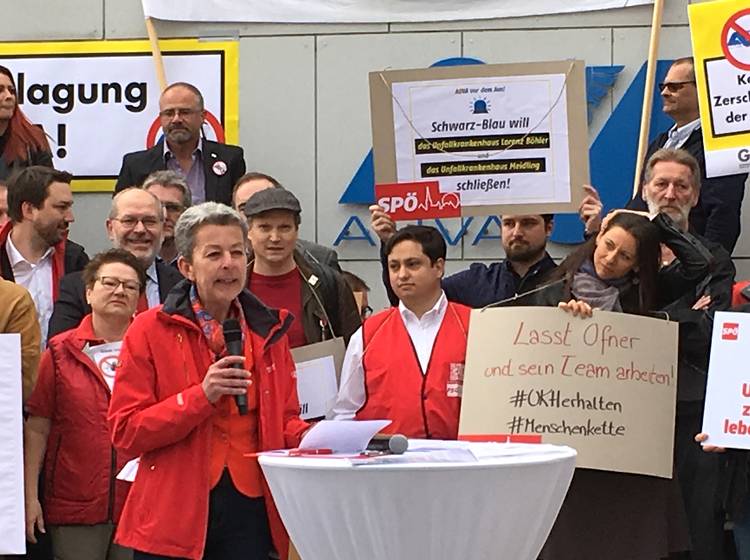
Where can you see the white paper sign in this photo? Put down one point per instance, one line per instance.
(105, 357)
(12, 530)
(726, 415)
(493, 140)
(316, 386)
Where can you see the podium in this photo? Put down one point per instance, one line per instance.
(497, 507)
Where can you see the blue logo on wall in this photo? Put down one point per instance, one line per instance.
(612, 155)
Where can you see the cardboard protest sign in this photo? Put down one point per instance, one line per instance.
(502, 137)
(605, 385)
(721, 49)
(98, 100)
(318, 373)
(12, 521)
(726, 416)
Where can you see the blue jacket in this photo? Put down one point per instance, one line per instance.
(482, 284)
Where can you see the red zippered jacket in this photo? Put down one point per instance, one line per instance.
(160, 412)
(81, 464)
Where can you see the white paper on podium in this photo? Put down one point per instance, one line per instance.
(12, 517)
(351, 436)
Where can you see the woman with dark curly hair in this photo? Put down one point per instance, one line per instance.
(21, 143)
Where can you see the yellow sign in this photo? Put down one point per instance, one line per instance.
(721, 47)
(98, 100)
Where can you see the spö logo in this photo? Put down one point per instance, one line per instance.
(612, 157)
(730, 331)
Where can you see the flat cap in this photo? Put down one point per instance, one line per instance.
(275, 198)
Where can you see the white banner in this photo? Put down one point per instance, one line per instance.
(12, 530)
(99, 100)
(726, 415)
(365, 11)
(492, 140)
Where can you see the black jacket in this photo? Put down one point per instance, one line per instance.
(136, 166)
(328, 303)
(677, 295)
(717, 214)
(75, 259)
(71, 306)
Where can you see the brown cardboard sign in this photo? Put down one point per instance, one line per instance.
(508, 138)
(605, 385)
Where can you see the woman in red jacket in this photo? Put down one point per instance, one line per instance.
(198, 492)
(68, 419)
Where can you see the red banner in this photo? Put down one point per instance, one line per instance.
(417, 201)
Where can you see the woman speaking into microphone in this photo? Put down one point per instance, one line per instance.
(197, 494)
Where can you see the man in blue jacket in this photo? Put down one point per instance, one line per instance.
(524, 240)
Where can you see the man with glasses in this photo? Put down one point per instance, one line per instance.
(135, 224)
(211, 169)
(174, 194)
(717, 214)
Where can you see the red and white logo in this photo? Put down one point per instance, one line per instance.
(729, 331)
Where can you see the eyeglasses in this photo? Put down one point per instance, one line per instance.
(130, 222)
(173, 207)
(366, 311)
(674, 87)
(171, 113)
(111, 283)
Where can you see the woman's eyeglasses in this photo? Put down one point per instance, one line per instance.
(111, 283)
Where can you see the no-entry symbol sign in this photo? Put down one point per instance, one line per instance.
(735, 39)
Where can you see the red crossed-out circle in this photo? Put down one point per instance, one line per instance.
(212, 121)
(733, 25)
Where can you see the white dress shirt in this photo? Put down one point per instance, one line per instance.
(678, 135)
(422, 332)
(37, 279)
(152, 286)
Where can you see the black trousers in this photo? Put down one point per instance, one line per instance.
(237, 526)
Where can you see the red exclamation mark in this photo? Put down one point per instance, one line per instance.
(61, 151)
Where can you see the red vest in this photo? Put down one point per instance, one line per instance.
(420, 405)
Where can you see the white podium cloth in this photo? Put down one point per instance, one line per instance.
(495, 508)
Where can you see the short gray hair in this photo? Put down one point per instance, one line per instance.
(113, 210)
(674, 155)
(205, 214)
(169, 178)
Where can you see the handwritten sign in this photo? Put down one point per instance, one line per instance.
(605, 385)
(726, 416)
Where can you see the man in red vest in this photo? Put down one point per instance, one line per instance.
(406, 363)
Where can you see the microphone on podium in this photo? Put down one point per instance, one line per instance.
(233, 340)
(388, 443)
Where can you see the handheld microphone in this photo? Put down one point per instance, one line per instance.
(233, 340)
(388, 443)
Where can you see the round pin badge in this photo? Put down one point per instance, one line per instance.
(219, 168)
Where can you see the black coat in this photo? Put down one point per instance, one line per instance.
(71, 306)
(75, 259)
(717, 214)
(136, 166)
